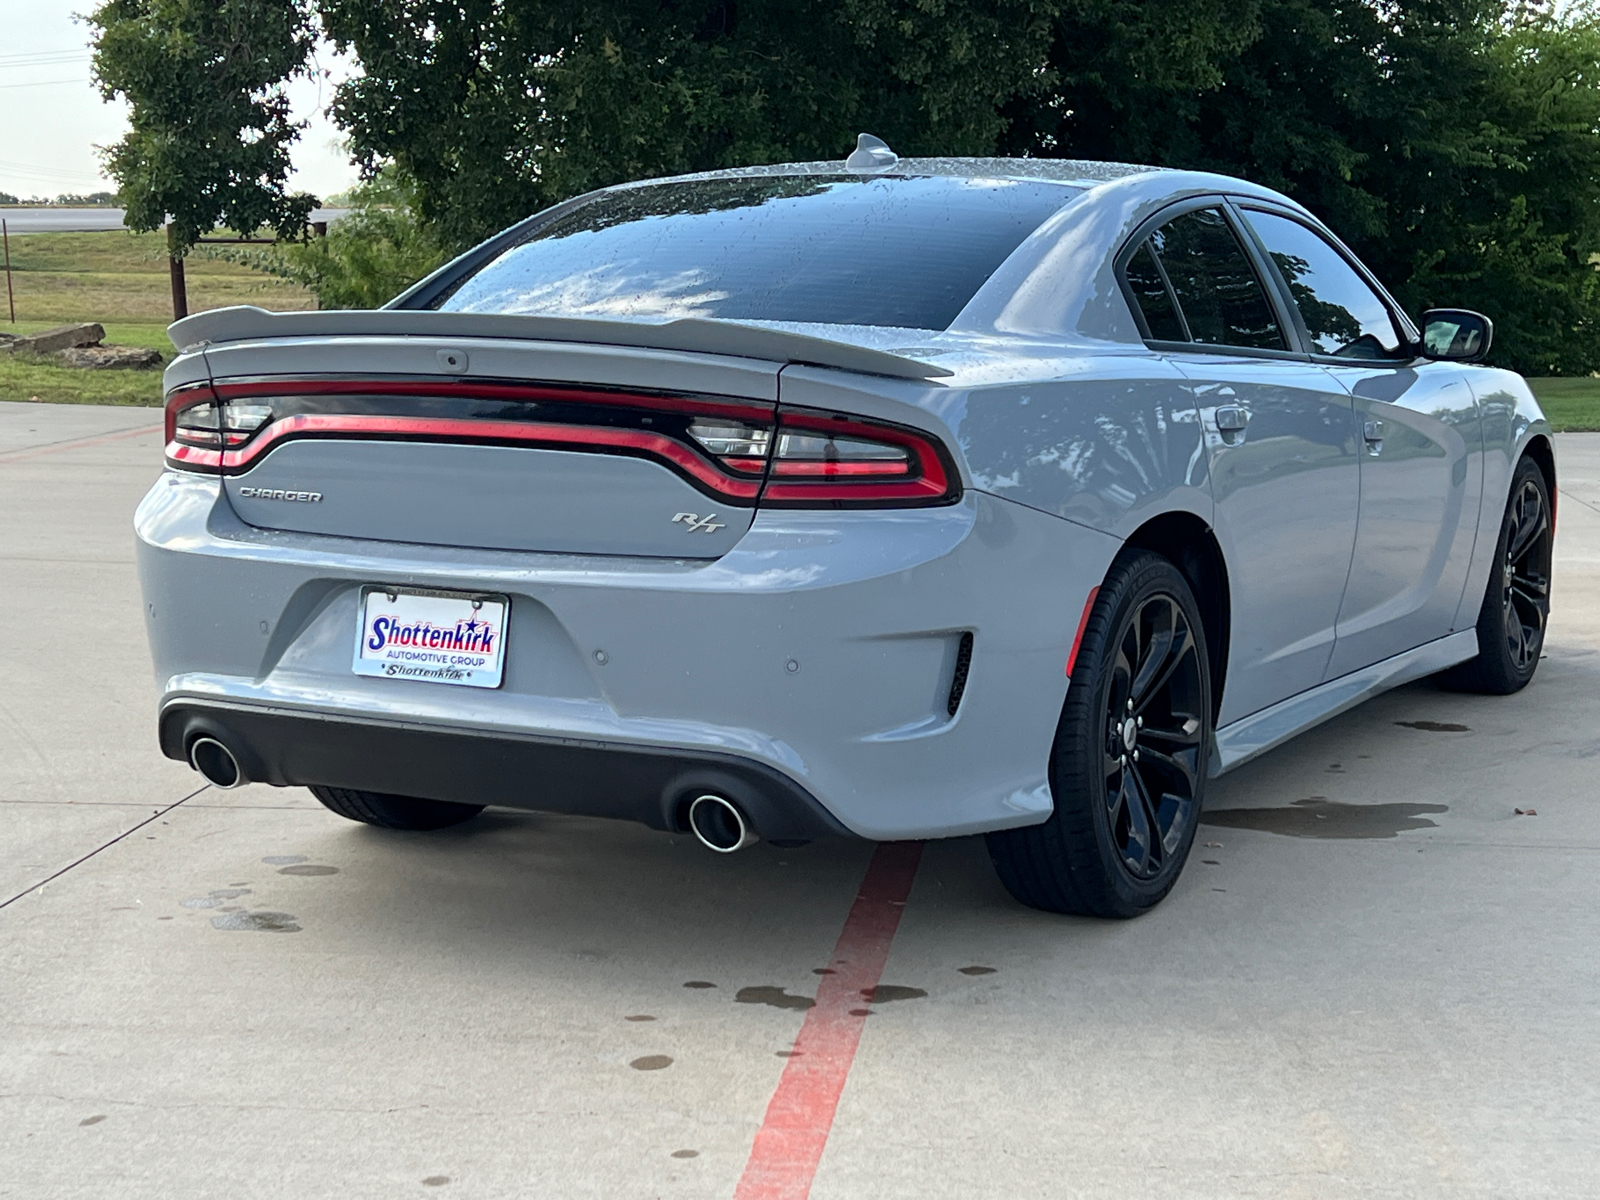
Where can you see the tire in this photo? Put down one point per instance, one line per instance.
(394, 812)
(1516, 602)
(1141, 683)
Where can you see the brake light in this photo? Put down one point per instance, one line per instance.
(823, 460)
(740, 452)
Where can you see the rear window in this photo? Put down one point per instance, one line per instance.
(827, 249)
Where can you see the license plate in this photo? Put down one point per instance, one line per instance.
(436, 637)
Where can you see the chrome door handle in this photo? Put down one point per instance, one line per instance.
(1372, 432)
(1231, 419)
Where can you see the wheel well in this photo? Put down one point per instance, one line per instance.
(1189, 543)
(1545, 459)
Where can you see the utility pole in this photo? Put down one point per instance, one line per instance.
(180, 290)
(11, 298)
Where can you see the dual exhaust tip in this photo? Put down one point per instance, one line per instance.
(216, 762)
(715, 821)
(718, 825)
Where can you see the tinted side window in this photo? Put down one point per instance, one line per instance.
(1344, 316)
(1155, 301)
(1217, 289)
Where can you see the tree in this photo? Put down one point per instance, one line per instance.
(1454, 143)
(210, 122)
(376, 251)
(498, 108)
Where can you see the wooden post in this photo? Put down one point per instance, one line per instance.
(11, 299)
(180, 290)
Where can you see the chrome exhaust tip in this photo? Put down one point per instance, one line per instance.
(216, 762)
(717, 824)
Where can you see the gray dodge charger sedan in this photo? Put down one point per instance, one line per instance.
(890, 498)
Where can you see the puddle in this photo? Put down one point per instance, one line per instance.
(1319, 817)
(775, 997)
(976, 970)
(885, 992)
(256, 922)
(651, 1062)
(283, 860)
(1435, 726)
(308, 870)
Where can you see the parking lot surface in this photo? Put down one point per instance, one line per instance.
(1375, 978)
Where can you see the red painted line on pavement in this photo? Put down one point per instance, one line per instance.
(11, 456)
(788, 1146)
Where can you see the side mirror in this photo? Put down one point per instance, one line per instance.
(1455, 335)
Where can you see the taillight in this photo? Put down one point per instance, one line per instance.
(200, 427)
(831, 461)
(740, 452)
(740, 446)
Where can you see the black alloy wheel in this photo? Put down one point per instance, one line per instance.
(1152, 746)
(1516, 603)
(1129, 764)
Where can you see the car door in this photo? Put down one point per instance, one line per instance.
(1281, 442)
(1421, 461)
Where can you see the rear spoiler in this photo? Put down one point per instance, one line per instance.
(703, 335)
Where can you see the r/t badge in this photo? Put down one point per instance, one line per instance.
(698, 524)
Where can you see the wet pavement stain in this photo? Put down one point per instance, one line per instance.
(651, 1062)
(256, 922)
(885, 992)
(686, 1154)
(776, 997)
(1319, 817)
(1435, 726)
(95, 1120)
(283, 860)
(308, 870)
(699, 983)
(976, 970)
(214, 899)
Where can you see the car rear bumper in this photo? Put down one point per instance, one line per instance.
(285, 747)
(814, 662)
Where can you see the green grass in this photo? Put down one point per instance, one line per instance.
(1573, 405)
(121, 280)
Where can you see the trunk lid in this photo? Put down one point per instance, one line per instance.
(491, 442)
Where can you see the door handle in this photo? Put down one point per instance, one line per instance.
(1372, 432)
(1230, 418)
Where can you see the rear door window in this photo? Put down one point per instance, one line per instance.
(1342, 313)
(1221, 300)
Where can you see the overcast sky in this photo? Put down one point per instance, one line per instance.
(51, 117)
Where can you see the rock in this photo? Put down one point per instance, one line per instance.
(63, 337)
(100, 358)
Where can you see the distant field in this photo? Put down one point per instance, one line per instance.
(119, 279)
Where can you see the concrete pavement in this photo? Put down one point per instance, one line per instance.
(1373, 980)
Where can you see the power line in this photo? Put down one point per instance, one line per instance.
(43, 83)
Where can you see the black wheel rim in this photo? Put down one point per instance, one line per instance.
(1154, 737)
(1525, 575)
